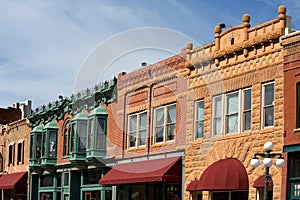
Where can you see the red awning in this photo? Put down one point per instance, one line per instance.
(226, 174)
(164, 169)
(14, 181)
(260, 182)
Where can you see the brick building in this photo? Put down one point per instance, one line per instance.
(68, 146)
(14, 148)
(146, 131)
(291, 172)
(237, 88)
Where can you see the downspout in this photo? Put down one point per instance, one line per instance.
(150, 86)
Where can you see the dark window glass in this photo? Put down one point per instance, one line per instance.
(46, 180)
(91, 177)
(298, 106)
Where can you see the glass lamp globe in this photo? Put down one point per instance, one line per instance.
(267, 162)
(268, 146)
(280, 162)
(254, 162)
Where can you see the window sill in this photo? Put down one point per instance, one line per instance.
(267, 129)
(162, 144)
(136, 149)
(296, 130)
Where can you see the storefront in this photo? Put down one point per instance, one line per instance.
(14, 186)
(225, 179)
(147, 179)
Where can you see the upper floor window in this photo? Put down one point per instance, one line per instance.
(49, 140)
(199, 119)
(79, 132)
(165, 123)
(20, 155)
(66, 135)
(298, 106)
(96, 134)
(137, 129)
(11, 153)
(268, 104)
(232, 112)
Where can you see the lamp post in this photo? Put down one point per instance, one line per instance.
(267, 162)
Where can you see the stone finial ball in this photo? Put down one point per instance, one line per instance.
(282, 9)
(246, 18)
(217, 29)
(189, 45)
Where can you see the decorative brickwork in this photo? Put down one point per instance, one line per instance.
(241, 57)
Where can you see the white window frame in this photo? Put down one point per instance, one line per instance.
(137, 130)
(263, 106)
(224, 115)
(244, 111)
(165, 124)
(197, 121)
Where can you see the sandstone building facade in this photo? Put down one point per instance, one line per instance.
(237, 86)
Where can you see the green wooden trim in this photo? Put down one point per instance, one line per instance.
(293, 148)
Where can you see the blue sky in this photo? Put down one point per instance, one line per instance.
(46, 45)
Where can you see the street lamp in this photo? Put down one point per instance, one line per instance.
(267, 162)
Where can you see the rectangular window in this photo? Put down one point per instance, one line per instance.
(90, 133)
(82, 135)
(298, 106)
(52, 143)
(268, 105)
(38, 145)
(31, 146)
(165, 123)
(100, 134)
(66, 179)
(11, 152)
(66, 141)
(73, 137)
(199, 119)
(137, 129)
(232, 112)
(46, 180)
(247, 107)
(217, 119)
(20, 155)
(44, 144)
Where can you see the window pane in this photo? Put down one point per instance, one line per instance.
(218, 106)
(269, 94)
(247, 120)
(247, 99)
(269, 116)
(200, 110)
(159, 116)
(38, 145)
(31, 146)
(200, 126)
(232, 124)
(171, 132)
(82, 136)
(142, 137)
(232, 103)
(100, 137)
(73, 133)
(132, 123)
(159, 134)
(52, 144)
(171, 114)
(217, 126)
(298, 106)
(143, 121)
